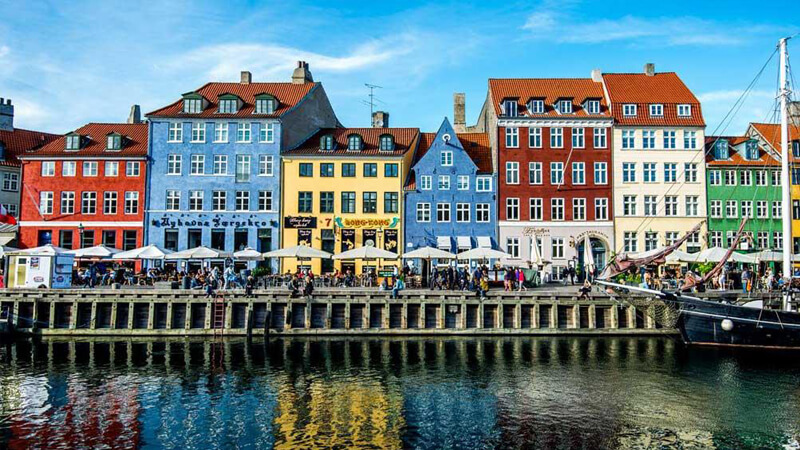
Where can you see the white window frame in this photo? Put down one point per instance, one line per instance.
(175, 134)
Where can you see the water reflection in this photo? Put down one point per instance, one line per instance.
(391, 393)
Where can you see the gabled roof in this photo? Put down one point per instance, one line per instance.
(771, 133)
(134, 141)
(551, 90)
(405, 139)
(287, 94)
(20, 141)
(765, 159)
(664, 88)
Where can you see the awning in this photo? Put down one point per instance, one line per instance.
(8, 233)
(443, 243)
(464, 242)
(484, 242)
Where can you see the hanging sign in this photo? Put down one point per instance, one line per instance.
(299, 222)
(348, 239)
(304, 237)
(369, 238)
(371, 222)
(390, 240)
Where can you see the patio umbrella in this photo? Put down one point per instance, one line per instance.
(367, 252)
(48, 249)
(148, 252)
(248, 254)
(483, 253)
(98, 251)
(298, 251)
(428, 253)
(536, 256)
(768, 256)
(588, 255)
(200, 253)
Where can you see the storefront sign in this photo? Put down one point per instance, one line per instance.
(216, 221)
(368, 238)
(532, 231)
(390, 240)
(348, 222)
(299, 222)
(304, 237)
(348, 239)
(591, 234)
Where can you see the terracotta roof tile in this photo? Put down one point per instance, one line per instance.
(476, 145)
(661, 88)
(405, 139)
(765, 159)
(287, 94)
(134, 142)
(772, 133)
(20, 141)
(550, 89)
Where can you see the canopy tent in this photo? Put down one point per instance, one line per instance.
(98, 251)
(484, 253)
(682, 257)
(769, 256)
(428, 253)
(48, 249)
(198, 253)
(298, 251)
(149, 252)
(514, 263)
(715, 254)
(6, 249)
(367, 252)
(248, 254)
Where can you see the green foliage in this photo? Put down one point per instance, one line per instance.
(259, 272)
(629, 278)
(706, 267)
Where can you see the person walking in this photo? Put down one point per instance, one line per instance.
(521, 280)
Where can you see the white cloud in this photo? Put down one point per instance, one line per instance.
(725, 116)
(4, 51)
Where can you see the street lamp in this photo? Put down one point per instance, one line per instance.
(80, 235)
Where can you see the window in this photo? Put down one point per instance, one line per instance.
(444, 182)
(795, 175)
(600, 173)
(715, 207)
(370, 202)
(348, 202)
(536, 106)
(648, 139)
(242, 201)
(131, 203)
(10, 181)
(306, 169)
(266, 133)
(45, 202)
(730, 178)
(630, 243)
(556, 137)
(629, 172)
(761, 209)
(731, 209)
(684, 110)
(90, 169)
(173, 200)
(482, 212)
(777, 240)
(692, 205)
(535, 173)
(650, 240)
(593, 106)
(747, 208)
(443, 212)
(670, 172)
(656, 110)
(171, 240)
(714, 177)
(326, 142)
(390, 202)
(650, 205)
(777, 211)
(425, 182)
(512, 246)
(629, 110)
(73, 142)
(556, 209)
(174, 165)
(242, 168)
(67, 202)
(219, 200)
(129, 241)
(578, 137)
(669, 139)
(557, 247)
(484, 184)
(348, 169)
(48, 168)
(68, 169)
(565, 106)
(265, 200)
(510, 108)
(423, 212)
(390, 170)
(89, 203)
(556, 173)
(745, 177)
(132, 169)
(243, 130)
(671, 205)
(628, 205)
(690, 172)
(198, 132)
(175, 132)
(305, 202)
(535, 137)
(761, 177)
(265, 106)
(197, 165)
(601, 209)
(689, 140)
(326, 202)
(715, 238)
(763, 240)
(578, 173)
(386, 143)
(462, 212)
(600, 137)
(195, 200)
(370, 170)
(650, 172)
(512, 172)
(512, 209)
(462, 183)
(578, 209)
(354, 142)
(192, 105)
(512, 138)
(326, 170)
(536, 209)
(628, 139)
(220, 132)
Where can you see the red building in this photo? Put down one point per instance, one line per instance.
(86, 188)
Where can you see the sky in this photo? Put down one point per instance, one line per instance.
(65, 64)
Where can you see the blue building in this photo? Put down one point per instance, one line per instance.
(214, 161)
(450, 193)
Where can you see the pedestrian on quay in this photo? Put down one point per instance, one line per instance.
(484, 285)
(746, 275)
(585, 290)
(521, 280)
(249, 286)
(399, 285)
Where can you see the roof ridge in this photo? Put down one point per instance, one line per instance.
(30, 131)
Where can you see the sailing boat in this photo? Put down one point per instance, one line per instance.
(708, 322)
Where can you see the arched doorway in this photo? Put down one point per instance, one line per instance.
(599, 252)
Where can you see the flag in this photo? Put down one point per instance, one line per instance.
(5, 217)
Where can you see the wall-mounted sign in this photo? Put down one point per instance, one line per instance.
(299, 222)
(532, 231)
(369, 237)
(215, 221)
(355, 222)
(390, 240)
(304, 237)
(348, 239)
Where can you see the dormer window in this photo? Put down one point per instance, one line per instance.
(73, 142)
(629, 110)
(326, 142)
(228, 106)
(565, 106)
(387, 143)
(354, 142)
(536, 106)
(721, 150)
(510, 108)
(113, 142)
(751, 150)
(192, 105)
(265, 104)
(684, 110)
(593, 106)
(656, 110)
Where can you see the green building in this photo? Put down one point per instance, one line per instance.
(742, 180)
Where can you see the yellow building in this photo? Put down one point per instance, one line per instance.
(342, 189)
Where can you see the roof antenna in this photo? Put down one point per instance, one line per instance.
(372, 98)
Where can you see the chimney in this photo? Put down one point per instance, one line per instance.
(301, 74)
(6, 115)
(247, 77)
(136, 114)
(597, 75)
(459, 112)
(380, 119)
(649, 69)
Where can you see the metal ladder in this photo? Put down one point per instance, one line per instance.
(218, 327)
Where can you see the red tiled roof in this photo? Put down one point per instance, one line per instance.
(550, 89)
(476, 145)
(765, 159)
(405, 139)
(661, 88)
(20, 141)
(134, 141)
(772, 133)
(287, 94)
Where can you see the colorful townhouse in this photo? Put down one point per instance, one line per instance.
(743, 180)
(769, 136)
(342, 190)
(450, 195)
(552, 143)
(215, 172)
(659, 163)
(14, 142)
(86, 188)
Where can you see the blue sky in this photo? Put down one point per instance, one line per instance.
(68, 63)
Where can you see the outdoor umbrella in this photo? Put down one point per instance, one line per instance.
(768, 256)
(483, 253)
(98, 251)
(588, 255)
(536, 256)
(248, 254)
(682, 257)
(148, 252)
(428, 253)
(298, 251)
(48, 249)
(715, 254)
(200, 253)
(367, 252)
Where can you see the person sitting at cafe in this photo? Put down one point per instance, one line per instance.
(383, 286)
(349, 279)
(399, 285)
(295, 286)
(308, 286)
(585, 290)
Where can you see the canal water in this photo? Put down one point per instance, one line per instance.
(520, 392)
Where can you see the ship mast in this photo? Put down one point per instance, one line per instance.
(785, 181)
